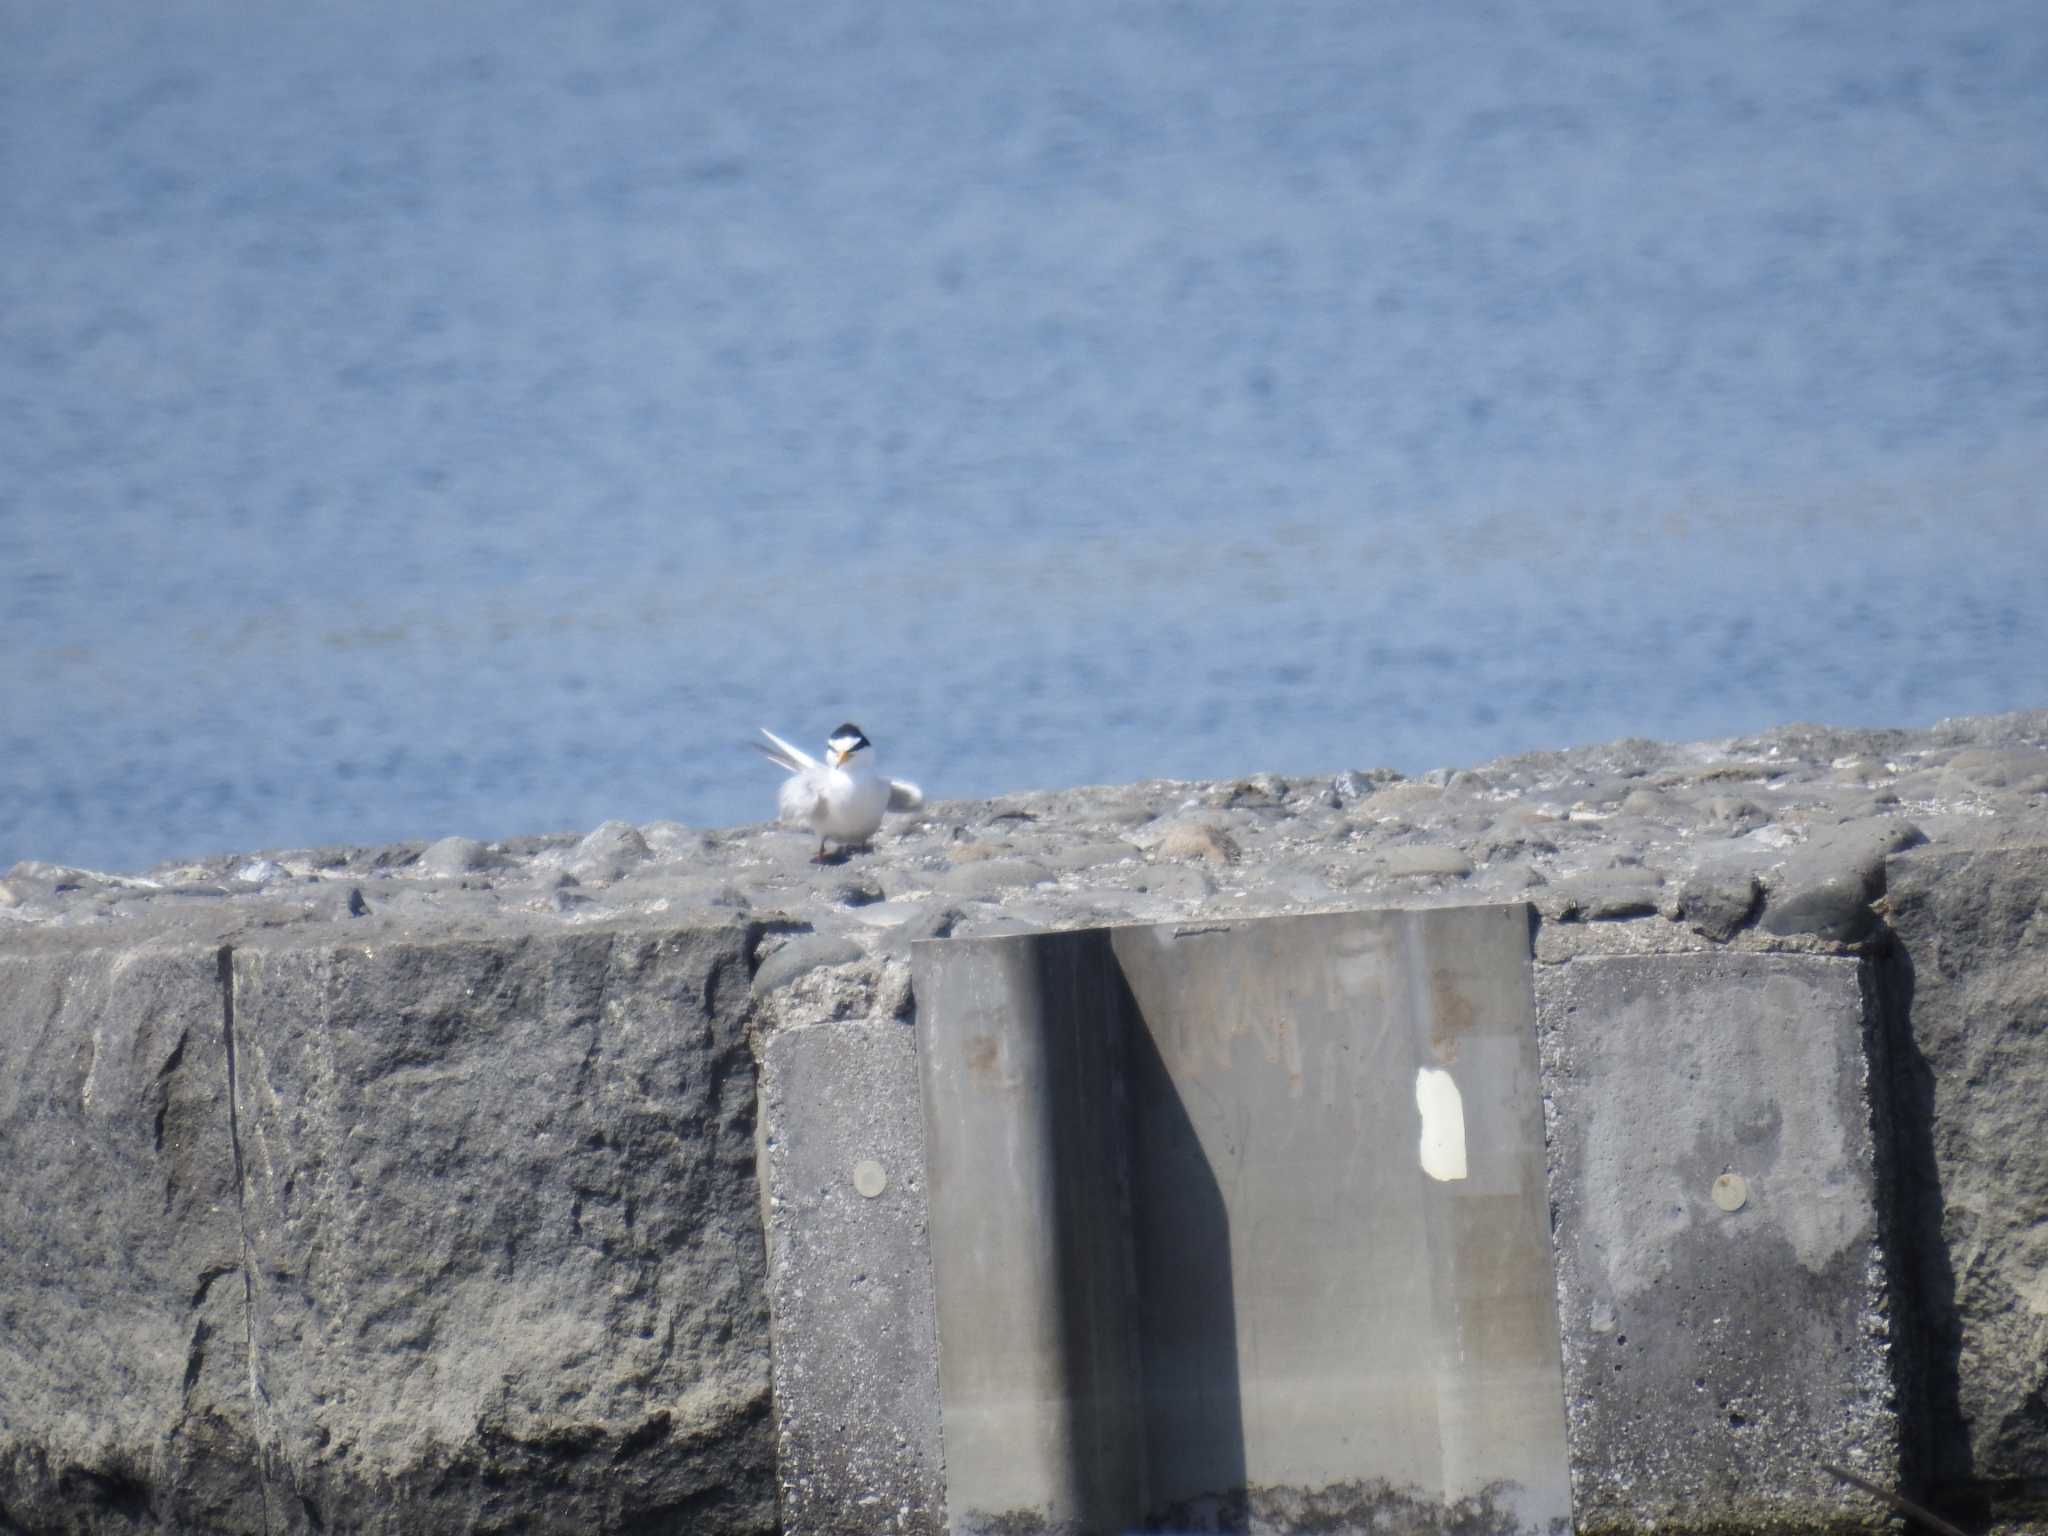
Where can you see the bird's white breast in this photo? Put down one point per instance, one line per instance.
(851, 806)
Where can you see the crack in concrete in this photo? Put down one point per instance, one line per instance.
(163, 1107)
(227, 1025)
(195, 1362)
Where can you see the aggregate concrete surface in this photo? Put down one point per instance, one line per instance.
(1775, 840)
(849, 1275)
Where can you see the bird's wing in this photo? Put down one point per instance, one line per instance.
(800, 795)
(905, 797)
(782, 754)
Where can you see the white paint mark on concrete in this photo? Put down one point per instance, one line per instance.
(1443, 1124)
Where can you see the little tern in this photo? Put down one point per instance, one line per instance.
(841, 799)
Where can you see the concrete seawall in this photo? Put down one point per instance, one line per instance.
(657, 1179)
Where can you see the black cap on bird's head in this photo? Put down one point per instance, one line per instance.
(844, 742)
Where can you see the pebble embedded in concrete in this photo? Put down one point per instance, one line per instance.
(455, 856)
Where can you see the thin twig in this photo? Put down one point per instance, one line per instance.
(1906, 1507)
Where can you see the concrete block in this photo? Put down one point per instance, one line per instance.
(1972, 926)
(1241, 1225)
(124, 1379)
(1721, 1279)
(504, 1232)
(849, 1280)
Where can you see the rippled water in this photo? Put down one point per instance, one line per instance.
(480, 418)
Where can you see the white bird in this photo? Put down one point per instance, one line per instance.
(841, 799)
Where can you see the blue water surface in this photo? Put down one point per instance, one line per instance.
(479, 418)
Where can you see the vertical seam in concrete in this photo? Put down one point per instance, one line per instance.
(1886, 985)
(227, 1029)
(922, 1249)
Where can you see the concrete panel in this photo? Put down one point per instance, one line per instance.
(849, 1280)
(1242, 1225)
(1721, 1279)
(124, 1376)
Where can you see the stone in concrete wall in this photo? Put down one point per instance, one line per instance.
(124, 1377)
(503, 1232)
(1973, 1077)
(849, 1274)
(1721, 1279)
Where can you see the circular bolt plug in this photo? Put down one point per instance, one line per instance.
(1731, 1191)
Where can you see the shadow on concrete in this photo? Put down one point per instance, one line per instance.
(1935, 1437)
(1193, 1403)
(1084, 1034)
(1148, 1318)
